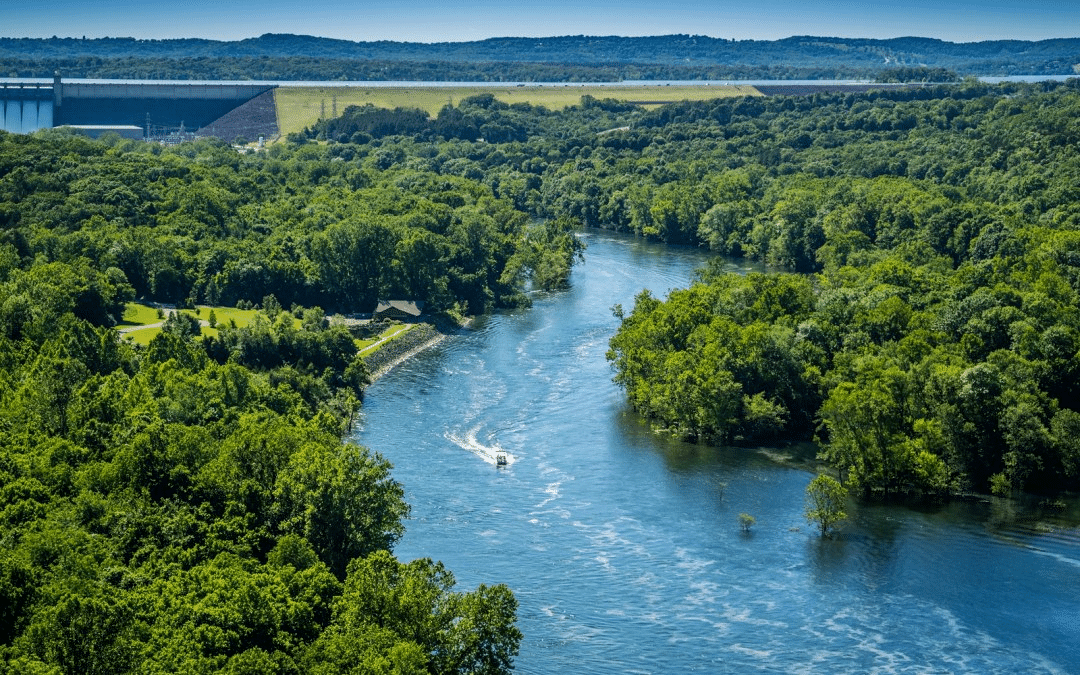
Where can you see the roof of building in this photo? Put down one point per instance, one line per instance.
(410, 307)
(102, 126)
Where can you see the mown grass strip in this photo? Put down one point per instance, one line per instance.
(395, 331)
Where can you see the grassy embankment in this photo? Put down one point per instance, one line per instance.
(301, 107)
(136, 314)
(394, 331)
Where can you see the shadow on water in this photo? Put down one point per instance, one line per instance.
(861, 550)
(681, 456)
(828, 558)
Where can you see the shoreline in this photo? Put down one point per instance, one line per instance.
(417, 340)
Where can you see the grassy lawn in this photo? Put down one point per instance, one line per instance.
(142, 315)
(142, 336)
(138, 314)
(300, 107)
(224, 315)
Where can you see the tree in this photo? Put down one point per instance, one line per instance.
(825, 499)
(84, 634)
(342, 500)
(484, 639)
(182, 324)
(353, 259)
(408, 617)
(746, 521)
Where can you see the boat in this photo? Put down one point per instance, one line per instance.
(500, 458)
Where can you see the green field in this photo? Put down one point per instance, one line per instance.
(142, 336)
(301, 107)
(137, 314)
(141, 324)
(224, 315)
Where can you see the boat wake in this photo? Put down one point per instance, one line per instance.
(492, 454)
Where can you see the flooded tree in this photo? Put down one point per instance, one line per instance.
(825, 501)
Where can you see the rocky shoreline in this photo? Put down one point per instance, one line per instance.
(399, 349)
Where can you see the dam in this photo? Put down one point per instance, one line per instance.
(29, 105)
(26, 108)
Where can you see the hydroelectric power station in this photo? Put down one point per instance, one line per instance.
(132, 108)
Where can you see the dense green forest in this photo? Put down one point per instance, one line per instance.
(555, 59)
(928, 332)
(191, 506)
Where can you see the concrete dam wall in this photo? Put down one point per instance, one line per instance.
(30, 106)
(25, 109)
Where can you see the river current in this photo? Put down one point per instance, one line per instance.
(623, 547)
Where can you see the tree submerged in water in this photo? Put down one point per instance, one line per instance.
(746, 521)
(825, 500)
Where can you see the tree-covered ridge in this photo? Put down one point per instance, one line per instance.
(933, 347)
(584, 50)
(304, 68)
(553, 59)
(165, 512)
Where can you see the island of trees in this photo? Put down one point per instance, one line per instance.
(192, 506)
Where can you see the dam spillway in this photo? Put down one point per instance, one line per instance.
(27, 106)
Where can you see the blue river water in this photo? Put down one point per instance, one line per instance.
(623, 546)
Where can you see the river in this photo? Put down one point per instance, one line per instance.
(623, 546)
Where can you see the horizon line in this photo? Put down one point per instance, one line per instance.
(84, 38)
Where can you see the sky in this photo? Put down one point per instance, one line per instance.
(464, 20)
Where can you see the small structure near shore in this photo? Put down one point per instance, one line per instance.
(401, 310)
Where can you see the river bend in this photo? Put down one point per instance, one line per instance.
(623, 547)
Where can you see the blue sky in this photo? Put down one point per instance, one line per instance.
(461, 20)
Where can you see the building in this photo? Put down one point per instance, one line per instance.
(402, 310)
(97, 130)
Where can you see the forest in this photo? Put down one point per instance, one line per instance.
(193, 505)
(577, 58)
(922, 325)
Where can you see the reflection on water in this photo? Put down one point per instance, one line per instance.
(623, 546)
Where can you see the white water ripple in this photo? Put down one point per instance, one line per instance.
(488, 451)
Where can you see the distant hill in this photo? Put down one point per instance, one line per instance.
(585, 58)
